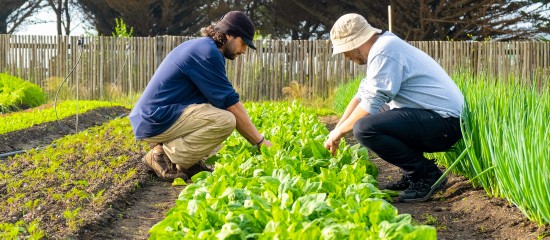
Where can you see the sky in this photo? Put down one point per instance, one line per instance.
(50, 27)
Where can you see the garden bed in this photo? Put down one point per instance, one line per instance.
(43, 134)
(460, 212)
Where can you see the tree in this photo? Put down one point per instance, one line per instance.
(63, 18)
(465, 19)
(13, 13)
(148, 18)
(65, 12)
(413, 20)
(313, 19)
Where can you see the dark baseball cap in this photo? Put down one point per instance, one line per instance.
(236, 23)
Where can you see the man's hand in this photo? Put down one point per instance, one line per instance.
(333, 141)
(266, 142)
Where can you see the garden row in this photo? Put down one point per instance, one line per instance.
(292, 190)
(54, 192)
(47, 113)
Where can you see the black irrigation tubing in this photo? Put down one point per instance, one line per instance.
(9, 154)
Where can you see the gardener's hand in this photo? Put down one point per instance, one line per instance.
(266, 142)
(333, 141)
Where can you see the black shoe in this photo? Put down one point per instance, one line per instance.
(421, 190)
(400, 185)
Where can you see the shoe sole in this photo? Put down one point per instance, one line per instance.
(428, 196)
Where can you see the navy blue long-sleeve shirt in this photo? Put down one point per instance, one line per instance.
(192, 73)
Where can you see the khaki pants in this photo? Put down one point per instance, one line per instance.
(199, 129)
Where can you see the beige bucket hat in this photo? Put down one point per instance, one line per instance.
(349, 32)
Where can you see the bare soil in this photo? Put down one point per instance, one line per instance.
(458, 212)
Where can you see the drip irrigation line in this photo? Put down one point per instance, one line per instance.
(9, 154)
(80, 43)
(122, 115)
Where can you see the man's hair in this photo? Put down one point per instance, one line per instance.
(218, 37)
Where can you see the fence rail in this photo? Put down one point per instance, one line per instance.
(109, 66)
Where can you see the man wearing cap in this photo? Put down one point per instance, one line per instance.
(189, 106)
(405, 106)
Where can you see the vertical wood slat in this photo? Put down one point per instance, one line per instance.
(259, 74)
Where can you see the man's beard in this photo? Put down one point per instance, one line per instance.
(229, 53)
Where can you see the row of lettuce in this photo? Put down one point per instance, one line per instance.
(291, 190)
(506, 133)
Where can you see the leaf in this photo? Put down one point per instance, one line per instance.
(212, 160)
(230, 231)
(179, 182)
(201, 176)
(319, 151)
(265, 151)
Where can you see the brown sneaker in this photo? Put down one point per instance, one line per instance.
(162, 166)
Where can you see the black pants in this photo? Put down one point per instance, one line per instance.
(401, 136)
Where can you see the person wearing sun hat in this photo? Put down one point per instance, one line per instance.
(189, 107)
(405, 106)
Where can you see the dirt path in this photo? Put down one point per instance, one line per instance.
(462, 212)
(139, 212)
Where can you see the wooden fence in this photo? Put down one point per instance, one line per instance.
(104, 67)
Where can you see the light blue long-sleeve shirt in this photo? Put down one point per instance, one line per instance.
(403, 76)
